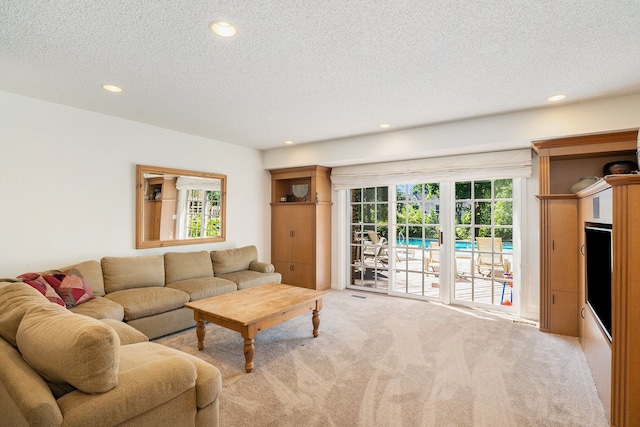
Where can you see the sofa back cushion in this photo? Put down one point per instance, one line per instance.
(180, 266)
(15, 300)
(91, 272)
(231, 260)
(67, 348)
(122, 273)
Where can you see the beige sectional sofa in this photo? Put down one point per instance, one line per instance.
(93, 364)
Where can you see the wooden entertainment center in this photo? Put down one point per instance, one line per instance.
(563, 302)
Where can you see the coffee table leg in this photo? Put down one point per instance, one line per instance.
(249, 348)
(315, 318)
(200, 331)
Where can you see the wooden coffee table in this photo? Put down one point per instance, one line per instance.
(251, 310)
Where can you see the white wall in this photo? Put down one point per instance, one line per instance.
(67, 184)
(483, 134)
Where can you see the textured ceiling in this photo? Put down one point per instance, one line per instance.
(315, 70)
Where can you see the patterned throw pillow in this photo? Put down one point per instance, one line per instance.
(70, 286)
(36, 281)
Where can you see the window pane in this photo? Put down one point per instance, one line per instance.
(382, 214)
(463, 190)
(504, 188)
(432, 213)
(506, 234)
(431, 233)
(383, 194)
(369, 212)
(402, 192)
(482, 189)
(503, 213)
(402, 234)
(463, 213)
(463, 233)
(370, 194)
(356, 195)
(356, 213)
(483, 232)
(483, 213)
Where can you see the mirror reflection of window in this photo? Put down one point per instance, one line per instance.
(199, 207)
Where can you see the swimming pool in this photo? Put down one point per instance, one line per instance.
(461, 245)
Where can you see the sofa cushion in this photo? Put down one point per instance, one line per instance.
(100, 308)
(91, 271)
(37, 282)
(204, 287)
(133, 272)
(144, 302)
(15, 300)
(70, 286)
(67, 348)
(208, 381)
(248, 279)
(231, 260)
(186, 265)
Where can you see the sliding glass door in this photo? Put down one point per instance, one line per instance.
(416, 237)
(448, 242)
(484, 243)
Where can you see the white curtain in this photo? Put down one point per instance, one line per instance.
(467, 167)
(196, 183)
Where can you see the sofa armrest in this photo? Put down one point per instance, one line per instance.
(261, 267)
(126, 333)
(140, 389)
(24, 395)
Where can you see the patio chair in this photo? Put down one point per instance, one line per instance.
(375, 248)
(484, 263)
(432, 261)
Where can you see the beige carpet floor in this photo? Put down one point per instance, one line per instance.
(384, 361)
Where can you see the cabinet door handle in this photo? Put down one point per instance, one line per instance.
(293, 233)
(553, 298)
(553, 245)
(582, 312)
(291, 267)
(582, 252)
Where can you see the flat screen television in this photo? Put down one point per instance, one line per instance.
(599, 263)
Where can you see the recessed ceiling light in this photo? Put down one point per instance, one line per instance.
(223, 29)
(288, 142)
(556, 98)
(384, 126)
(112, 88)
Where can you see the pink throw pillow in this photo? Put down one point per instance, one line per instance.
(70, 286)
(36, 281)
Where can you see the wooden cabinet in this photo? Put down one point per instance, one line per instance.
(301, 226)
(561, 163)
(293, 256)
(560, 243)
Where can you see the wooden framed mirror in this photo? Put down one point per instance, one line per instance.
(179, 207)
